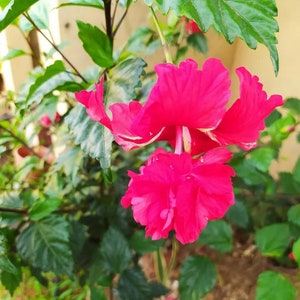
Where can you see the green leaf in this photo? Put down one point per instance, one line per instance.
(45, 245)
(44, 208)
(198, 41)
(248, 173)
(294, 214)
(274, 116)
(273, 240)
(252, 21)
(262, 158)
(96, 43)
(238, 215)
(133, 285)
(93, 138)
(293, 104)
(39, 13)
(274, 286)
(12, 10)
(12, 54)
(296, 171)
(196, 278)
(217, 235)
(124, 79)
(88, 3)
(296, 251)
(144, 245)
(11, 280)
(5, 263)
(281, 128)
(288, 184)
(54, 76)
(115, 251)
(97, 293)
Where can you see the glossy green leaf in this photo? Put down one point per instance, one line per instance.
(274, 116)
(296, 171)
(93, 138)
(97, 293)
(39, 13)
(96, 43)
(13, 53)
(54, 76)
(133, 285)
(282, 128)
(114, 251)
(88, 3)
(296, 251)
(124, 79)
(12, 10)
(11, 280)
(5, 263)
(274, 286)
(238, 215)
(252, 21)
(45, 245)
(198, 41)
(293, 104)
(261, 158)
(196, 278)
(273, 239)
(294, 214)
(218, 235)
(288, 184)
(144, 245)
(43, 208)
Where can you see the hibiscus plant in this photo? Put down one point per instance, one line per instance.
(142, 165)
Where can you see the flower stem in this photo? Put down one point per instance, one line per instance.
(162, 38)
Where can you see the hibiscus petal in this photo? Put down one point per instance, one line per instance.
(244, 120)
(185, 96)
(176, 192)
(93, 101)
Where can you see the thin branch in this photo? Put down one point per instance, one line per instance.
(114, 14)
(21, 141)
(14, 210)
(120, 22)
(54, 46)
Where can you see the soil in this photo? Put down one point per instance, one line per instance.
(237, 271)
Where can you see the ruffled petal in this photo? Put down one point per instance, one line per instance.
(243, 121)
(185, 96)
(176, 192)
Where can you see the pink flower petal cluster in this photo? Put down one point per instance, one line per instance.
(176, 192)
(187, 107)
(193, 99)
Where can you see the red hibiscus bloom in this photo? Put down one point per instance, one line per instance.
(176, 192)
(194, 101)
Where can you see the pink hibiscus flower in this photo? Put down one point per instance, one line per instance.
(194, 101)
(176, 192)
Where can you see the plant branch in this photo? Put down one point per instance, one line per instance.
(120, 22)
(21, 141)
(108, 20)
(114, 14)
(54, 46)
(162, 38)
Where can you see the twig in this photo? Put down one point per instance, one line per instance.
(120, 22)
(21, 141)
(55, 47)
